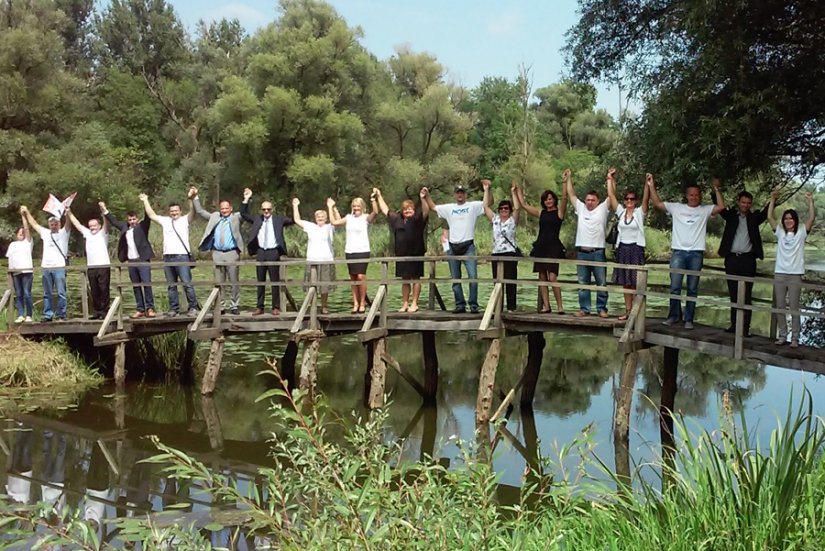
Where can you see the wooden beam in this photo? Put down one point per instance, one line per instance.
(430, 355)
(205, 334)
(120, 365)
(213, 366)
(492, 305)
(108, 319)
(397, 367)
(112, 338)
(207, 306)
(535, 355)
(375, 308)
(5, 300)
(299, 319)
(487, 381)
(109, 457)
(309, 367)
(372, 334)
(739, 329)
(378, 375)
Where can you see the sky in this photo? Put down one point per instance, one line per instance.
(471, 39)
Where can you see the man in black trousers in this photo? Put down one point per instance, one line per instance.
(266, 242)
(134, 247)
(741, 246)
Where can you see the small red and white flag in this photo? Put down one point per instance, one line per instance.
(56, 207)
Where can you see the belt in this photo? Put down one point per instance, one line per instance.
(224, 250)
(589, 249)
(741, 254)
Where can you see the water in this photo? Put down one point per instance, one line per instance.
(60, 453)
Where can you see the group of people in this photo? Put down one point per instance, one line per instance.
(741, 246)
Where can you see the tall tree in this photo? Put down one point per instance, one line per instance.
(732, 88)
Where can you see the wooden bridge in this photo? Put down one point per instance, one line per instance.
(306, 326)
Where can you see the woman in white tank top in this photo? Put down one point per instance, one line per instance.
(357, 245)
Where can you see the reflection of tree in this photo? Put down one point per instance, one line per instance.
(813, 329)
(698, 376)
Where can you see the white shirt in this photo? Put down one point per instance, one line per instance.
(790, 250)
(461, 219)
(358, 240)
(131, 249)
(689, 226)
(97, 247)
(54, 257)
(502, 230)
(171, 243)
(634, 230)
(590, 228)
(266, 235)
(319, 242)
(19, 254)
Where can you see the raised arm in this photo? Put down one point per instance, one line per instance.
(532, 211)
(24, 210)
(611, 189)
(562, 206)
(110, 220)
(425, 206)
(771, 208)
(150, 212)
(430, 202)
(334, 216)
(296, 216)
(190, 198)
(514, 199)
(567, 182)
(26, 230)
(720, 200)
(646, 193)
(73, 219)
(654, 195)
(488, 198)
(809, 223)
(379, 198)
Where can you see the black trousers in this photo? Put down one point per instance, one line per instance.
(99, 283)
(740, 265)
(268, 255)
(510, 272)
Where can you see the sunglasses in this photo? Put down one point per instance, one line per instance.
(630, 198)
(504, 208)
(267, 210)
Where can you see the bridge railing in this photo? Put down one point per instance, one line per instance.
(634, 329)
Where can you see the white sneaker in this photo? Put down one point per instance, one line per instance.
(19, 319)
(28, 319)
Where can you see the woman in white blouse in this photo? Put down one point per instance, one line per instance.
(357, 245)
(19, 254)
(319, 249)
(790, 265)
(630, 243)
(504, 238)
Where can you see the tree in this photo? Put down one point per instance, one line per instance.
(732, 88)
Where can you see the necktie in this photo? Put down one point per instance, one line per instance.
(266, 233)
(222, 239)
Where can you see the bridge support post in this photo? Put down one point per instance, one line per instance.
(535, 355)
(377, 375)
(430, 366)
(309, 367)
(213, 366)
(213, 422)
(668, 376)
(621, 419)
(286, 367)
(120, 366)
(487, 381)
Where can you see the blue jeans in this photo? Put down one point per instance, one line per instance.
(54, 279)
(472, 273)
(599, 273)
(144, 297)
(684, 260)
(23, 293)
(184, 273)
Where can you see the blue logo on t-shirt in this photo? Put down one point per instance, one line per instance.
(464, 210)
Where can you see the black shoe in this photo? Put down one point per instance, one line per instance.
(459, 311)
(474, 310)
(730, 329)
(172, 313)
(234, 311)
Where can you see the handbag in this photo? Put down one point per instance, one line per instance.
(460, 249)
(516, 247)
(613, 235)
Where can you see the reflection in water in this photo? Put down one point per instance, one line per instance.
(90, 457)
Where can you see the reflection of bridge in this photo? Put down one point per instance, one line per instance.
(307, 326)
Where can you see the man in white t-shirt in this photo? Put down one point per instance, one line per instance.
(690, 221)
(176, 248)
(55, 257)
(461, 217)
(97, 261)
(592, 219)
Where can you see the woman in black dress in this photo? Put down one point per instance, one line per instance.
(408, 229)
(547, 244)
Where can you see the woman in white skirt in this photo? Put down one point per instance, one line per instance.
(790, 265)
(319, 249)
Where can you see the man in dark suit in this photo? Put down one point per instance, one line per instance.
(741, 246)
(134, 247)
(266, 242)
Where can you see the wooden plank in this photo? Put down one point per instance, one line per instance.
(487, 381)
(299, 319)
(120, 365)
(397, 367)
(112, 338)
(309, 367)
(205, 334)
(307, 334)
(374, 309)
(508, 398)
(5, 300)
(378, 375)
(84, 293)
(492, 305)
(372, 334)
(468, 324)
(109, 315)
(213, 366)
(207, 306)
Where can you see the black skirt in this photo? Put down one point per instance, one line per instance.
(628, 253)
(357, 268)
